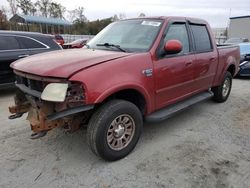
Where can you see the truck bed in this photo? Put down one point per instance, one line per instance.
(226, 54)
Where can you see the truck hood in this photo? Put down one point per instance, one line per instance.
(64, 63)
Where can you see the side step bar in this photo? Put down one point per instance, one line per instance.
(168, 111)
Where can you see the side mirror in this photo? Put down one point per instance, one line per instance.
(173, 47)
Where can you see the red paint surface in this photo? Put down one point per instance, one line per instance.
(106, 72)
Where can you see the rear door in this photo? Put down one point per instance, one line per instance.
(10, 51)
(174, 73)
(206, 57)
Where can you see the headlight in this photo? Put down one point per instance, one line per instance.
(55, 92)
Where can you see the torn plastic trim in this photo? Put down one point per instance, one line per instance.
(71, 111)
(29, 91)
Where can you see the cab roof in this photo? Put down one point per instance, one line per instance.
(177, 18)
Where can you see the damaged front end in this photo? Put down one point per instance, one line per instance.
(50, 103)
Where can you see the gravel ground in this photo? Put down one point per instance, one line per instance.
(207, 145)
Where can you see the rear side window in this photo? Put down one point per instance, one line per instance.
(201, 38)
(8, 43)
(178, 31)
(28, 43)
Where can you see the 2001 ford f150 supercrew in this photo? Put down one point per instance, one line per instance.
(134, 70)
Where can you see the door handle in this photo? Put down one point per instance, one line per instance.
(23, 56)
(212, 59)
(189, 63)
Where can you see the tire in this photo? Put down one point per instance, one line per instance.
(114, 129)
(222, 92)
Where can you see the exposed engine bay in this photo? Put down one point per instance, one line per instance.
(47, 110)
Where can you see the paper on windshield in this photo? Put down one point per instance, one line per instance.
(151, 23)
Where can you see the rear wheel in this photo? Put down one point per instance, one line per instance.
(222, 92)
(114, 129)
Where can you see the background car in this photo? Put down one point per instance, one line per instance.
(245, 59)
(79, 43)
(17, 45)
(59, 39)
(236, 40)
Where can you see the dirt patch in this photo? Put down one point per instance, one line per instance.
(221, 171)
(193, 163)
(203, 166)
(242, 118)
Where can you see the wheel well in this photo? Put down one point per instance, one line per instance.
(231, 69)
(132, 96)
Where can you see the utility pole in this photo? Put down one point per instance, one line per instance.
(228, 23)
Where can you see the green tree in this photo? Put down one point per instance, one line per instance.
(90, 28)
(142, 15)
(78, 16)
(26, 6)
(4, 24)
(56, 10)
(115, 18)
(13, 6)
(43, 7)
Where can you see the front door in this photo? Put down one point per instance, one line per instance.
(174, 73)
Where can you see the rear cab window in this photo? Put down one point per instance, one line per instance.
(202, 40)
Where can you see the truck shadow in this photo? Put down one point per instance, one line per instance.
(242, 78)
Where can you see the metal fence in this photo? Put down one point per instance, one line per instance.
(70, 38)
(220, 35)
(220, 39)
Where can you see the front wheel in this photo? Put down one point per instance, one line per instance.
(114, 129)
(222, 92)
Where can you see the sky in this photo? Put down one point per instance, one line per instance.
(216, 12)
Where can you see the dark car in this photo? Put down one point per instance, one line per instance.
(245, 59)
(79, 43)
(17, 45)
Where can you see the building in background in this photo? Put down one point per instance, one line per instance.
(239, 27)
(39, 24)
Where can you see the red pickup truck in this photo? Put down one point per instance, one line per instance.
(135, 70)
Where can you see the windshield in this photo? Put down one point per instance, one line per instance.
(130, 35)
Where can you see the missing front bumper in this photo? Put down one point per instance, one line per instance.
(43, 116)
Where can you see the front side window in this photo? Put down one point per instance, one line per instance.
(8, 43)
(201, 38)
(178, 31)
(28, 43)
(130, 35)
